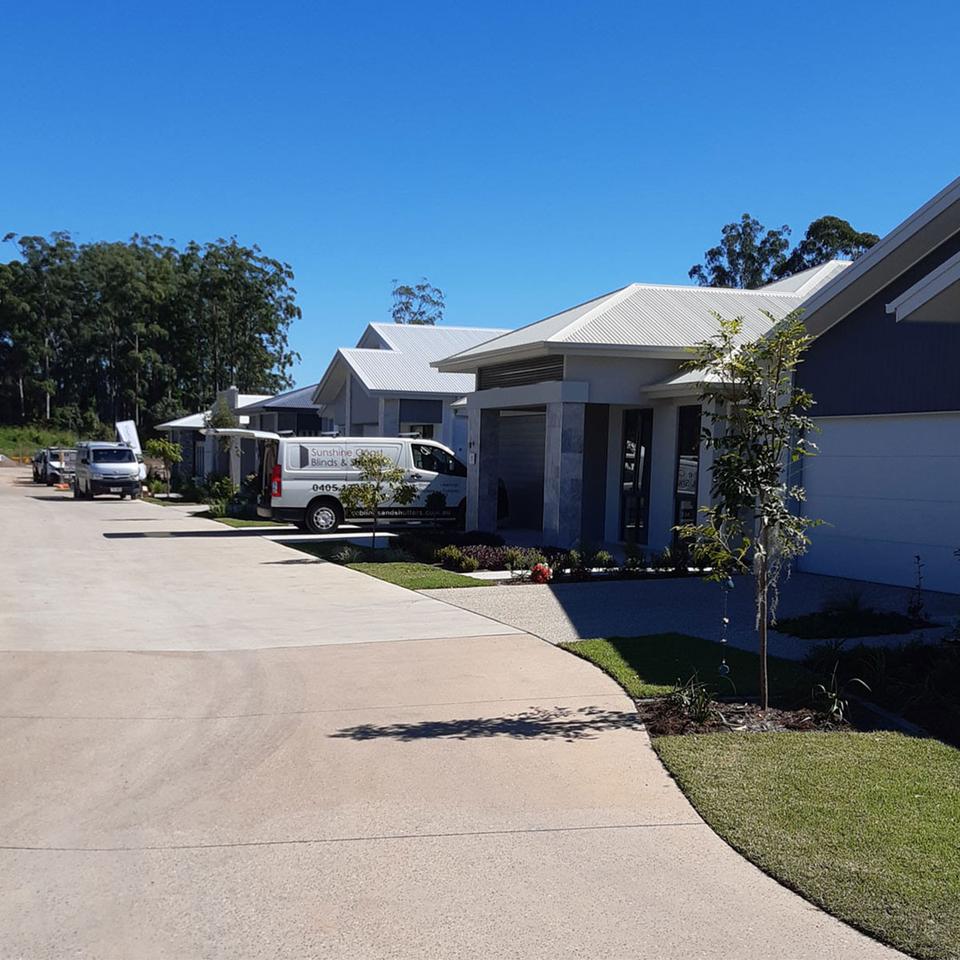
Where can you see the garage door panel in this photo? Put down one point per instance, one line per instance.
(882, 562)
(890, 489)
(918, 521)
(924, 478)
(916, 435)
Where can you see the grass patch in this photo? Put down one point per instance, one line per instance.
(417, 576)
(26, 441)
(848, 623)
(238, 522)
(865, 825)
(650, 666)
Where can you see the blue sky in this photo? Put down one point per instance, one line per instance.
(524, 156)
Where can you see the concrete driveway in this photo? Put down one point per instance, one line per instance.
(210, 748)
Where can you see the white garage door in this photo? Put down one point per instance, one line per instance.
(890, 489)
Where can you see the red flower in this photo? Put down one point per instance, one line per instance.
(540, 573)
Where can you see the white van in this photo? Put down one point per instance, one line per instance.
(301, 478)
(106, 468)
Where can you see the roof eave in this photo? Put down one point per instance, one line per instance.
(908, 243)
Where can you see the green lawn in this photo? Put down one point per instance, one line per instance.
(417, 576)
(866, 825)
(650, 666)
(237, 522)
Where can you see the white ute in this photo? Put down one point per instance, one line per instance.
(300, 478)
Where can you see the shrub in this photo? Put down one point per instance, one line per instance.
(155, 485)
(450, 557)
(469, 564)
(217, 487)
(218, 508)
(603, 559)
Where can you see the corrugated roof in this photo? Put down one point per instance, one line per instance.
(297, 398)
(807, 281)
(403, 367)
(192, 422)
(643, 316)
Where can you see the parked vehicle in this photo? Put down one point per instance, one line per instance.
(106, 468)
(55, 465)
(300, 479)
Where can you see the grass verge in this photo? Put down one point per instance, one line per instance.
(238, 522)
(650, 666)
(865, 825)
(417, 576)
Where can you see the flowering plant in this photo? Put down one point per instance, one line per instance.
(540, 573)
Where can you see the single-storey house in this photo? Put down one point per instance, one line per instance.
(885, 372)
(386, 385)
(290, 412)
(584, 427)
(204, 455)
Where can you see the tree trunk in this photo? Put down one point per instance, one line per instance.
(374, 533)
(763, 590)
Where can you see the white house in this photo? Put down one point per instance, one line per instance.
(583, 426)
(386, 384)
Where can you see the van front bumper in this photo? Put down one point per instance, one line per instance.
(115, 486)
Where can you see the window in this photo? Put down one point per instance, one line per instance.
(435, 460)
(688, 465)
(635, 475)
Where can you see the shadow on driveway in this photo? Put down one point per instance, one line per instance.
(558, 723)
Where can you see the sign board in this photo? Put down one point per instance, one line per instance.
(127, 432)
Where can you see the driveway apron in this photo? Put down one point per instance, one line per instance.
(212, 746)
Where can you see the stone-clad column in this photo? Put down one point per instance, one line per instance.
(563, 473)
(483, 453)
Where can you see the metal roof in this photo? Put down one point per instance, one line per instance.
(647, 318)
(192, 422)
(289, 399)
(402, 366)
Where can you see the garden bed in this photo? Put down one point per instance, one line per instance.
(850, 624)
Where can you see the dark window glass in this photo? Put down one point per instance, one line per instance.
(635, 475)
(688, 465)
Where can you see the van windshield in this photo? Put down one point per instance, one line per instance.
(118, 455)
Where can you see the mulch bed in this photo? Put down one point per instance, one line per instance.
(664, 718)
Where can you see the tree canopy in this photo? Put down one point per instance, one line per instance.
(139, 330)
(418, 304)
(750, 256)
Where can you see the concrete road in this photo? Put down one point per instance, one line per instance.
(209, 748)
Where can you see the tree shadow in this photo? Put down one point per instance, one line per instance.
(536, 723)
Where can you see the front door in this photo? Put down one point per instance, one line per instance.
(635, 475)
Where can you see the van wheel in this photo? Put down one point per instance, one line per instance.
(323, 515)
(76, 490)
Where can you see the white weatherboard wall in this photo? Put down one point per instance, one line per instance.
(889, 486)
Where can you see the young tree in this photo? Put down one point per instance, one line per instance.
(381, 482)
(757, 426)
(166, 451)
(418, 305)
